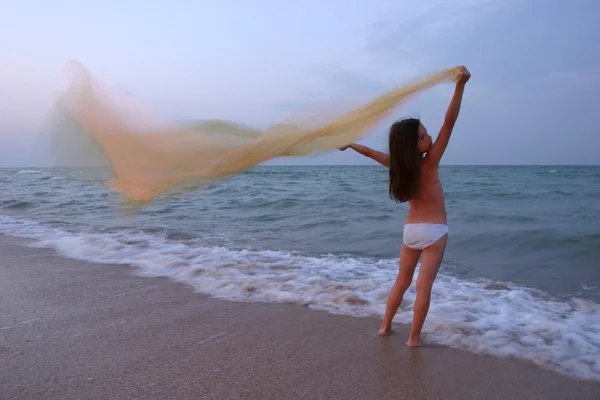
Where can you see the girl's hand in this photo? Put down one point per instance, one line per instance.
(465, 75)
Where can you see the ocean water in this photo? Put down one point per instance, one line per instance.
(521, 276)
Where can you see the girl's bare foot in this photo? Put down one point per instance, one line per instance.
(385, 330)
(414, 342)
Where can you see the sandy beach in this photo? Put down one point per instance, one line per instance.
(77, 330)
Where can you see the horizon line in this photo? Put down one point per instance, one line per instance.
(341, 165)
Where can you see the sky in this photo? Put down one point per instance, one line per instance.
(532, 98)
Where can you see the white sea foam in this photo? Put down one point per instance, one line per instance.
(474, 315)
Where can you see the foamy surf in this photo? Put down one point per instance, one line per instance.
(479, 316)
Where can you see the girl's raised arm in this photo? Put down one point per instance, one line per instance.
(441, 142)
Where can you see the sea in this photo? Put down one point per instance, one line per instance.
(520, 278)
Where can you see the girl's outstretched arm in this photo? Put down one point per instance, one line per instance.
(441, 142)
(378, 156)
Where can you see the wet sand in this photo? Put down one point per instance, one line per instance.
(77, 330)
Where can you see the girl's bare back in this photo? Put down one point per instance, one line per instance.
(429, 206)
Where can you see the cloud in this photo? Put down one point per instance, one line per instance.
(579, 78)
(397, 47)
(489, 96)
(335, 85)
(406, 36)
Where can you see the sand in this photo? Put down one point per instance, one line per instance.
(77, 330)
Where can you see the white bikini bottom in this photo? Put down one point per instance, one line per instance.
(421, 236)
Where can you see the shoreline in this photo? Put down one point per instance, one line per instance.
(71, 329)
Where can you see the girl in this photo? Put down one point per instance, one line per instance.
(414, 178)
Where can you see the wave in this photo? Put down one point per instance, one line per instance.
(477, 315)
(15, 204)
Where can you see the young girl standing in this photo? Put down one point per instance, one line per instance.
(414, 178)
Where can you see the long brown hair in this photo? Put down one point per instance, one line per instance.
(405, 165)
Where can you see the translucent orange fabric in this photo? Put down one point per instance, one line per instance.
(150, 155)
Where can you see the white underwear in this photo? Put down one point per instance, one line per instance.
(421, 236)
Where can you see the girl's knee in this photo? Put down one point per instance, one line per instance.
(403, 284)
(424, 285)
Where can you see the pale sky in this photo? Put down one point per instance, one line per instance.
(532, 99)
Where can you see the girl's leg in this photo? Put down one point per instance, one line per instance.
(430, 264)
(408, 262)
